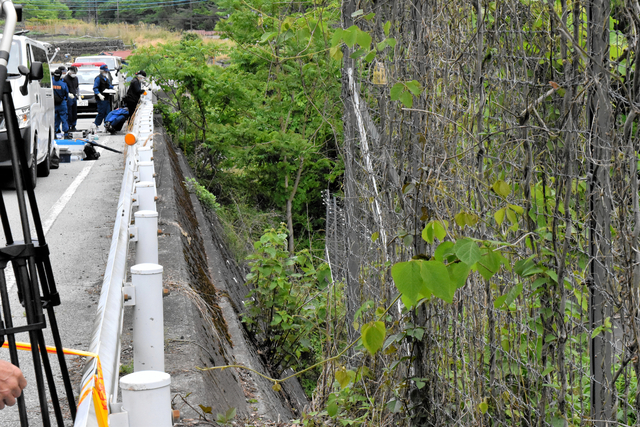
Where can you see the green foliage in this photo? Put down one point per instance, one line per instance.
(287, 306)
(227, 417)
(250, 128)
(205, 197)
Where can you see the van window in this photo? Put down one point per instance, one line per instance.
(40, 55)
(15, 59)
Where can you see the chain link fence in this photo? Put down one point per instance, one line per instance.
(540, 96)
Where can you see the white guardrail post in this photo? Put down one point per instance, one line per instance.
(148, 319)
(146, 398)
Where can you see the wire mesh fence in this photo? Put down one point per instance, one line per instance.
(523, 137)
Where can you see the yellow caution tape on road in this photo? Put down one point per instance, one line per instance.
(99, 395)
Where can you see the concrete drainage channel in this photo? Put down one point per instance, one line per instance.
(146, 396)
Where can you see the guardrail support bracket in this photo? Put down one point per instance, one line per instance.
(129, 294)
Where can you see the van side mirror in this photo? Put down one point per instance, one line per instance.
(24, 89)
(37, 71)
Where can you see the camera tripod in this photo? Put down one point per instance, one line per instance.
(29, 258)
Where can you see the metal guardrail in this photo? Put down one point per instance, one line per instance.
(107, 330)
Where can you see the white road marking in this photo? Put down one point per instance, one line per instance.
(55, 212)
(59, 206)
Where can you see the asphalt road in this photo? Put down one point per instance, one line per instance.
(77, 203)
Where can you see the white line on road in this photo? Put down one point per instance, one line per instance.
(55, 212)
(59, 206)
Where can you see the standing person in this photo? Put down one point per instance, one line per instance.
(74, 94)
(60, 96)
(103, 100)
(63, 70)
(12, 382)
(135, 91)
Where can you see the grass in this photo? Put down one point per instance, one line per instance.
(126, 369)
(137, 35)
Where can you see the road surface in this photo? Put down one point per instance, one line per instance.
(77, 203)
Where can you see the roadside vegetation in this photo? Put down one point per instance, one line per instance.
(463, 171)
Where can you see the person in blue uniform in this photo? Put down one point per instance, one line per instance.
(74, 94)
(60, 96)
(103, 100)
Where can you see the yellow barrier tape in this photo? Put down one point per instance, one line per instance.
(99, 395)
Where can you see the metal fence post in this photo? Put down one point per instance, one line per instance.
(147, 244)
(146, 397)
(148, 318)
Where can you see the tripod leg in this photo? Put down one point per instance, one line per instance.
(46, 278)
(5, 221)
(55, 402)
(13, 352)
(23, 280)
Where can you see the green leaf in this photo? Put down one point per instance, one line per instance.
(439, 230)
(467, 251)
(336, 38)
(358, 53)
(407, 99)
(460, 219)
(444, 249)
(396, 91)
(332, 408)
(380, 46)
(373, 334)
(436, 279)
(386, 28)
(506, 300)
(392, 42)
(489, 264)
(370, 56)
(517, 209)
(526, 267)
(499, 216)
(350, 35)
(458, 273)
(408, 279)
(276, 387)
(364, 39)
(268, 36)
(407, 240)
(336, 53)
(484, 407)
(414, 87)
(375, 236)
(357, 13)
(501, 188)
(231, 414)
(370, 16)
(343, 378)
(205, 409)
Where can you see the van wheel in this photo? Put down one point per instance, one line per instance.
(44, 168)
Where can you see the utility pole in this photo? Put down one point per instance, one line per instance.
(599, 118)
(191, 20)
(118, 11)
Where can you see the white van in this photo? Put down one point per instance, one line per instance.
(115, 67)
(35, 109)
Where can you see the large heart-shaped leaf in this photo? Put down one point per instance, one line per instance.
(467, 251)
(437, 280)
(408, 279)
(373, 334)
